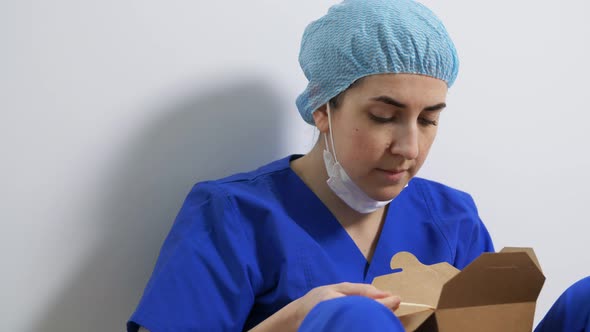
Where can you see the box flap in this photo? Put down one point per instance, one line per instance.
(418, 283)
(510, 317)
(529, 251)
(413, 321)
(494, 278)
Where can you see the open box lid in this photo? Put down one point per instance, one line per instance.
(512, 276)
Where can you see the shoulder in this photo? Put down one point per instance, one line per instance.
(447, 206)
(226, 207)
(443, 198)
(252, 186)
(456, 215)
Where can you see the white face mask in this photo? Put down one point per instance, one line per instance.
(342, 185)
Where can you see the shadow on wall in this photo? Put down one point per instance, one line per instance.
(232, 128)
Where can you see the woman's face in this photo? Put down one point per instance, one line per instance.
(383, 129)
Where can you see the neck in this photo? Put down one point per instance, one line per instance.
(312, 170)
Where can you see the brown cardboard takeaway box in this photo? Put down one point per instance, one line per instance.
(496, 292)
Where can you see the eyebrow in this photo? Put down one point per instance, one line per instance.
(391, 101)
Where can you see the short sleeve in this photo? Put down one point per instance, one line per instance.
(202, 280)
(474, 238)
(456, 214)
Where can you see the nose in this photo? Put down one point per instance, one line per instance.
(405, 142)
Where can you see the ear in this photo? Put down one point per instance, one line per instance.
(320, 118)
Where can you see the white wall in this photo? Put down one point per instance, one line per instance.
(111, 110)
(516, 133)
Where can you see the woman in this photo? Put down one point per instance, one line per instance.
(294, 244)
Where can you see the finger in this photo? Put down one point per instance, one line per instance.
(371, 291)
(391, 302)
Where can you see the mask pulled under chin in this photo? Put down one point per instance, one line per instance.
(347, 190)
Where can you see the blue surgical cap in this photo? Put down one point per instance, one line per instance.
(357, 38)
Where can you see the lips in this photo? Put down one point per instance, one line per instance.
(393, 175)
(394, 171)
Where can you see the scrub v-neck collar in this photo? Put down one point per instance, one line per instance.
(325, 228)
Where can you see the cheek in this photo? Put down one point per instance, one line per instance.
(425, 144)
(367, 146)
(356, 143)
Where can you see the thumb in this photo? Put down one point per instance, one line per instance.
(362, 290)
(391, 302)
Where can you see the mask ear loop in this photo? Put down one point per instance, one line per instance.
(331, 135)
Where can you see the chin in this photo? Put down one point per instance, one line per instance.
(386, 194)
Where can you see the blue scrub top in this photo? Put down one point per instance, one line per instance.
(243, 247)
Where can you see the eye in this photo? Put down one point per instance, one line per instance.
(379, 119)
(427, 122)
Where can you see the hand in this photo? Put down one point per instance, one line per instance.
(290, 317)
(304, 304)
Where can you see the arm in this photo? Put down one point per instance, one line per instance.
(457, 216)
(290, 317)
(474, 236)
(205, 274)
